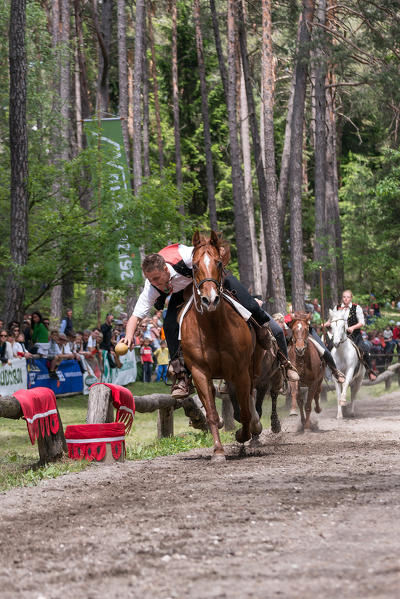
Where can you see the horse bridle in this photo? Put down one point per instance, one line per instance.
(218, 284)
(345, 332)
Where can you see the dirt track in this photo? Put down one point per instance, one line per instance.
(314, 515)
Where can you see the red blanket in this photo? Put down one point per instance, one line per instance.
(39, 408)
(123, 402)
(89, 440)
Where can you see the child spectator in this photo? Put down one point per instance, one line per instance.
(146, 355)
(162, 357)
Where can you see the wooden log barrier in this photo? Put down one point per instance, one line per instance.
(51, 448)
(100, 409)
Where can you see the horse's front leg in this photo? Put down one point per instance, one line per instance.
(275, 424)
(205, 389)
(248, 415)
(294, 394)
(345, 385)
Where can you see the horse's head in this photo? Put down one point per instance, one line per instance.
(300, 329)
(208, 269)
(338, 325)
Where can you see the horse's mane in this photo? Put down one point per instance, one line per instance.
(301, 316)
(217, 241)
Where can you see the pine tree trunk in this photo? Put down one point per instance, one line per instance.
(146, 114)
(334, 233)
(270, 211)
(248, 185)
(295, 173)
(104, 34)
(155, 92)
(206, 120)
(18, 161)
(175, 99)
(218, 47)
(137, 94)
(123, 75)
(283, 187)
(242, 229)
(320, 130)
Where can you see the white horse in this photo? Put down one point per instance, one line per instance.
(345, 355)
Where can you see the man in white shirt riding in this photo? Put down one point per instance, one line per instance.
(168, 273)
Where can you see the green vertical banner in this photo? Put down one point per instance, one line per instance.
(106, 134)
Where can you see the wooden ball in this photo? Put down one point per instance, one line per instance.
(121, 348)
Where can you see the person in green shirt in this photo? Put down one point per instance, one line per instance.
(40, 335)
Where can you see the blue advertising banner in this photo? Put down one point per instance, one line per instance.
(70, 378)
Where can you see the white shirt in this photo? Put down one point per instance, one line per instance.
(178, 282)
(17, 347)
(359, 312)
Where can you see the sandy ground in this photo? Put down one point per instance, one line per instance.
(304, 515)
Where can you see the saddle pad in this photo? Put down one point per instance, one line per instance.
(319, 347)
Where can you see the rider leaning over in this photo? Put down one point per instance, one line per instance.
(170, 272)
(354, 316)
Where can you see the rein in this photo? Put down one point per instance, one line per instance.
(198, 284)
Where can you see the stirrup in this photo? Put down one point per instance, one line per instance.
(338, 374)
(290, 372)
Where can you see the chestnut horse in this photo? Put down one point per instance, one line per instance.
(305, 357)
(217, 343)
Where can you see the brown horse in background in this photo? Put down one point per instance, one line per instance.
(305, 357)
(217, 343)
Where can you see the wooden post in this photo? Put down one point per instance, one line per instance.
(51, 448)
(100, 409)
(227, 413)
(165, 422)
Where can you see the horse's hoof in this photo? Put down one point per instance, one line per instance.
(218, 458)
(343, 403)
(255, 441)
(276, 428)
(318, 410)
(241, 437)
(293, 413)
(221, 423)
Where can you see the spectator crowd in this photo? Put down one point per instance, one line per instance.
(35, 338)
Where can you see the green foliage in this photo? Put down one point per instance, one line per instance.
(370, 211)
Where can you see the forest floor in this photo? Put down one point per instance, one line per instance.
(314, 514)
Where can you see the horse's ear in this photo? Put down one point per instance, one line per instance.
(214, 240)
(290, 322)
(196, 238)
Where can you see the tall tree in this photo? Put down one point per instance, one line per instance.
(104, 33)
(265, 168)
(61, 43)
(137, 94)
(296, 163)
(206, 119)
(146, 113)
(123, 75)
(242, 228)
(175, 98)
(248, 184)
(319, 68)
(19, 161)
(155, 89)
